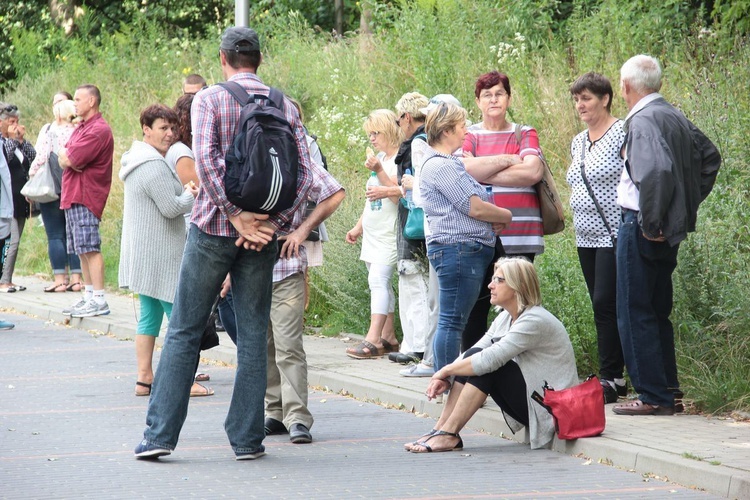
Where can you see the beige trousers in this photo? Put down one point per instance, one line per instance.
(286, 392)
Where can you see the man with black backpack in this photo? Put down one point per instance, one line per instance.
(226, 236)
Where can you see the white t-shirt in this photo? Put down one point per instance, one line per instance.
(379, 227)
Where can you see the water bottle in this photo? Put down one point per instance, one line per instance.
(407, 194)
(375, 205)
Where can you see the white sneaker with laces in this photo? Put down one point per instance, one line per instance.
(418, 370)
(69, 310)
(91, 308)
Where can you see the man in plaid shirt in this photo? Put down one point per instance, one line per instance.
(223, 239)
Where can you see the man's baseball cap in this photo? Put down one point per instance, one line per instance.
(440, 99)
(236, 35)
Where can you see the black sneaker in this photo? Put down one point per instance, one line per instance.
(610, 394)
(272, 426)
(300, 434)
(622, 390)
(145, 450)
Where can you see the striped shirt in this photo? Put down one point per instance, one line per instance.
(524, 234)
(214, 118)
(446, 187)
(323, 187)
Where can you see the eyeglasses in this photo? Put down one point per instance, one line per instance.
(498, 279)
(489, 96)
(398, 120)
(373, 134)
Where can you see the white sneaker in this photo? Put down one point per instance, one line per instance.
(69, 310)
(418, 370)
(91, 308)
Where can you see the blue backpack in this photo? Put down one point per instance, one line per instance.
(262, 163)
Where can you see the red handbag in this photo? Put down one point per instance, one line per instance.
(578, 411)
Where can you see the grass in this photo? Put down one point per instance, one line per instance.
(442, 49)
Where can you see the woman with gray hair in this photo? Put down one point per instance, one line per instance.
(51, 138)
(19, 154)
(463, 224)
(525, 347)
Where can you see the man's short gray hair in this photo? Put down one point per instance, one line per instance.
(8, 110)
(643, 73)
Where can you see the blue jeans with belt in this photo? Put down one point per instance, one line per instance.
(205, 264)
(644, 303)
(460, 270)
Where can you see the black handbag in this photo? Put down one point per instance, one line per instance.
(210, 338)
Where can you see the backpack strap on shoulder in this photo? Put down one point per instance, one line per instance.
(237, 91)
(276, 98)
(517, 131)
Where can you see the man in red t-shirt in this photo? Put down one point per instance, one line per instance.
(87, 176)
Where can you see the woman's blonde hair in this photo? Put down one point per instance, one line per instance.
(412, 103)
(383, 121)
(520, 275)
(65, 110)
(442, 119)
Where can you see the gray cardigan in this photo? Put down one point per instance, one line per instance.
(674, 167)
(153, 229)
(538, 342)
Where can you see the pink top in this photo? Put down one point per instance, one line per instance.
(90, 148)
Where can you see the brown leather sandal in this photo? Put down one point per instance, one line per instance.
(359, 352)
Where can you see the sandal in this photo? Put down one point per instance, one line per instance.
(143, 384)
(75, 287)
(56, 288)
(358, 352)
(202, 377)
(429, 449)
(388, 347)
(408, 446)
(203, 391)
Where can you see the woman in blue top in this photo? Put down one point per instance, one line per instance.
(463, 225)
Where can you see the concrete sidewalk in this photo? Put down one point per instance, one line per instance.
(707, 453)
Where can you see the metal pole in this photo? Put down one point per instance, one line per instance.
(241, 9)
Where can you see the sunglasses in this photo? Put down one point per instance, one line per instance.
(498, 279)
(10, 108)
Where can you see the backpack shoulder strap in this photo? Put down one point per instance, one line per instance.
(276, 98)
(237, 91)
(422, 136)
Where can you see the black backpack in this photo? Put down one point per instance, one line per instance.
(262, 163)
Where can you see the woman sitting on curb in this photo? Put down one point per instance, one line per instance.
(525, 346)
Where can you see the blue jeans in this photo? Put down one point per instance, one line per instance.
(460, 270)
(205, 264)
(644, 303)
(54, 226)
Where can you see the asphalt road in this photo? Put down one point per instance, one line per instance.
(69, 423)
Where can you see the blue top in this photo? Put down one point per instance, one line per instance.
(445, 188)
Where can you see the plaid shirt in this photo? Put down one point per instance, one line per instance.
(323, 187)
(214, 118)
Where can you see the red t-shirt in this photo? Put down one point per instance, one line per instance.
(90, 148)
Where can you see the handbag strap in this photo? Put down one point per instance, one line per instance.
(591, 193)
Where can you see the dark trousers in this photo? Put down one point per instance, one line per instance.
(476, 325)
(600, 272)
(644, 303)
(506, 386)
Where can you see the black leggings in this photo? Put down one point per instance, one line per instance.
(600, 273)
(505, 385)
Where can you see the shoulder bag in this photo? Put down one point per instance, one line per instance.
(550, 206)
(612, 235)
(578, 411)
(41, 188)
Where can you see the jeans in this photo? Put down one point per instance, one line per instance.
(54, 225)
(644, 303)
(600, 272)
(10, 249)
(460, 269)
(205, 264)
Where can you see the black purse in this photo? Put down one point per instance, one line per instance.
(210, 338)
